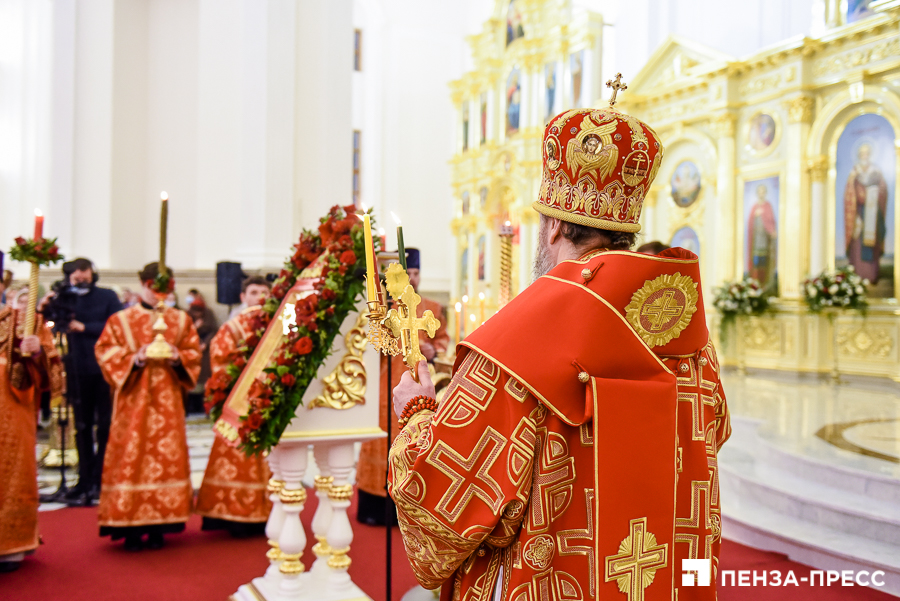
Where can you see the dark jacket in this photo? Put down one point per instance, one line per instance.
(92, 309)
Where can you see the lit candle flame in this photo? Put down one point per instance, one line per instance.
(472, 318)
(381, 231)
(37, 213)
(465, 298)
(458, 307)
(164, 195)
(508, 223)
(364, 208)
(396, 219)
(481, 296)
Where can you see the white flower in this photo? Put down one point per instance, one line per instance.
(859, 290)
(865, 281)
(811, 290)
(833, 289)
(850, 268)
(845, 301)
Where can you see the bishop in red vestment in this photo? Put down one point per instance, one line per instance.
(22, 379)
(574, 453)
(146, 486)
(233, 494)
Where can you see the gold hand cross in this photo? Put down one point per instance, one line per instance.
(616, 85)
(403, 321)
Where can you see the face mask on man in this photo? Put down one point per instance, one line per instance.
(189, 299)
(81, 288)
(170, 303)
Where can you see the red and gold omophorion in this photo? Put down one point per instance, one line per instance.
(234, 485)
(146, 474)
(22, 379)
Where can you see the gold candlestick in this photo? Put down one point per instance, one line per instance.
(506, 236)
(31, 310)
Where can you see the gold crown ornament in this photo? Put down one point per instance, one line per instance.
(598, 165)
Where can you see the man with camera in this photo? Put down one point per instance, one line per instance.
(80, 309)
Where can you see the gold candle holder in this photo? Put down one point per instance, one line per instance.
(31, 311)
(506, 236)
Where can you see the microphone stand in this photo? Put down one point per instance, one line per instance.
(388, 505)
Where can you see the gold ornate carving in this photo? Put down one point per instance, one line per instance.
(340, 493)
(634, 566)
(292, 496)
(768, 82)
(856, 57)
(275, 486)
(291, 564)
(818, 168)
(800, 109)
(274, 553)
(339, 559)
(862, 342)
(723, 125)
(324, 483)
(345, 387)
(763, 335)
(662, 308)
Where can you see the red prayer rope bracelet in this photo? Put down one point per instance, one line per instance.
(416, 404)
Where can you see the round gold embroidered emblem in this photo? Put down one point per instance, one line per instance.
(662, 308)
(539, 552)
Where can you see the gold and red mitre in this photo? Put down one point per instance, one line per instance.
(598, 165)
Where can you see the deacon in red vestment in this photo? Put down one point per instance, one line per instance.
(371, 470)
(233, 495)
(574, 453)
(22, 379)
(146, 486)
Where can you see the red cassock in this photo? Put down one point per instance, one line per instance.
(234, 485)
(22, 379)
(146, 474)
(574, 453)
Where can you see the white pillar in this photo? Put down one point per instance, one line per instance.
(793, 248)
(292, 539)
(340, 531)
(818, 169)
(728, 203)
(275, 523)
(322, 520)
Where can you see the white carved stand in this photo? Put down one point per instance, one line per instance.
(332, 434)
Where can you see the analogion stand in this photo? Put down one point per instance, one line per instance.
(340, 408)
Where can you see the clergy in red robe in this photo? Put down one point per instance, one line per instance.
(233, 495)
(22, 379)
(146, 486)
(371, 470)
(573, 455)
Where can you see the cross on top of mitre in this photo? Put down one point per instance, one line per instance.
(617, 85)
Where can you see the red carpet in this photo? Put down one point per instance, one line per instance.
(75, 564)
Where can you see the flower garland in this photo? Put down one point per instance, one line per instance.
(742, 297)
(43, 251)
(836, 289)
(276, 394)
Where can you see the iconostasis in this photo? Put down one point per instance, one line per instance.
(781, 165)
(533, 59)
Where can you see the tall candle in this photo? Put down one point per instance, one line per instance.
(38, 224)
(163, 225)
(370, 259)
(401, 248)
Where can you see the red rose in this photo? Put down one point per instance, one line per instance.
(348, 257)
(328, 294)
(288, 380)
(303, 346)
(259, 389)
(345, 240)
(329, 311)
(21, 241)
(272, 377)
(264, 403)
(283, 359)
(240, 362)
(251, 341)
(351, 210)
(279, 292)
(254, 421)
(312, 326)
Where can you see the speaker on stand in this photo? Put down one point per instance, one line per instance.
(229, 277)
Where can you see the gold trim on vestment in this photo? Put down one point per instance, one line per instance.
(602, 224)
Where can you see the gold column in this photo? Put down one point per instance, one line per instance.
(817, 167)
(728, 262)
(794, 248)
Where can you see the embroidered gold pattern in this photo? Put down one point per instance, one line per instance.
(539, 552)
(662, 308)
(345, 387)
(634, 566)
